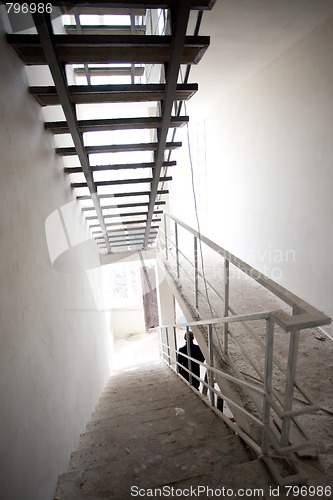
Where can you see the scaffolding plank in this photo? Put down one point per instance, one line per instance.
(99, 49)
(94, 94)
(144, 122)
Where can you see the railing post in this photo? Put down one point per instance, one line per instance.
(268, 378)
(211, 364)
(163, 342)
(168, 345)
(160, 339)
(177, 248)
(165, 237)
(226, 302)
(176, 348)
(189, 362)
(290, 382)
(196, 272)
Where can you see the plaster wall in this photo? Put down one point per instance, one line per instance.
(55, 345)
(126, 322)
(268, 168)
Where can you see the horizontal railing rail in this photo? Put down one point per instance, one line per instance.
(272, 410)
(307, 315)
(269, 444)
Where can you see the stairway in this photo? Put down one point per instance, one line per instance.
(151, 430)
(131, 54)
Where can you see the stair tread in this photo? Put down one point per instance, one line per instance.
(159, 470)
(94, 94)
(168, 425)
(134, 7)
(139, 449)
(104, 410)
(140, 416)
(143, 439)
(61, 127)
(117, 148)
(98, 49)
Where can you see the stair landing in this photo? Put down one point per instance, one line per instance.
(150, 430)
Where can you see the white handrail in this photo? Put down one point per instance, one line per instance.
(308, 316)
(302, 316)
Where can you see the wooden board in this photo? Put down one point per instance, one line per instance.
(99, 49)
(92, 94)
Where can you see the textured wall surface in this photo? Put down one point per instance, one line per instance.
(266, 153)
(55, 346)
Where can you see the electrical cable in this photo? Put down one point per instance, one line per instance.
(199, 231)
(184, 80)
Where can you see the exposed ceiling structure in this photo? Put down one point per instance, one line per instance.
(126, 57)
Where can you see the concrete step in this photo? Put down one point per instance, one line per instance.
(127, 407)
(163, 412)
(151, 430)
(188, 425)
(152, 391)
(252, 476)
(156, 448)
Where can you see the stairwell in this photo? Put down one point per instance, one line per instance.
(150, 430)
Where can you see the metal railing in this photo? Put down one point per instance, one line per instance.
(274, 408)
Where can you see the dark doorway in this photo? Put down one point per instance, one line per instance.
(149, 297)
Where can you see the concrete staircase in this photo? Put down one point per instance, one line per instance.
(151, 430)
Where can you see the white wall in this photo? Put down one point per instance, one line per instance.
(269, 169)
(126, 322)
(55, 346)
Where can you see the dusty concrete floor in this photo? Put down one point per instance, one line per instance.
(155, 437)
(150, 430)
